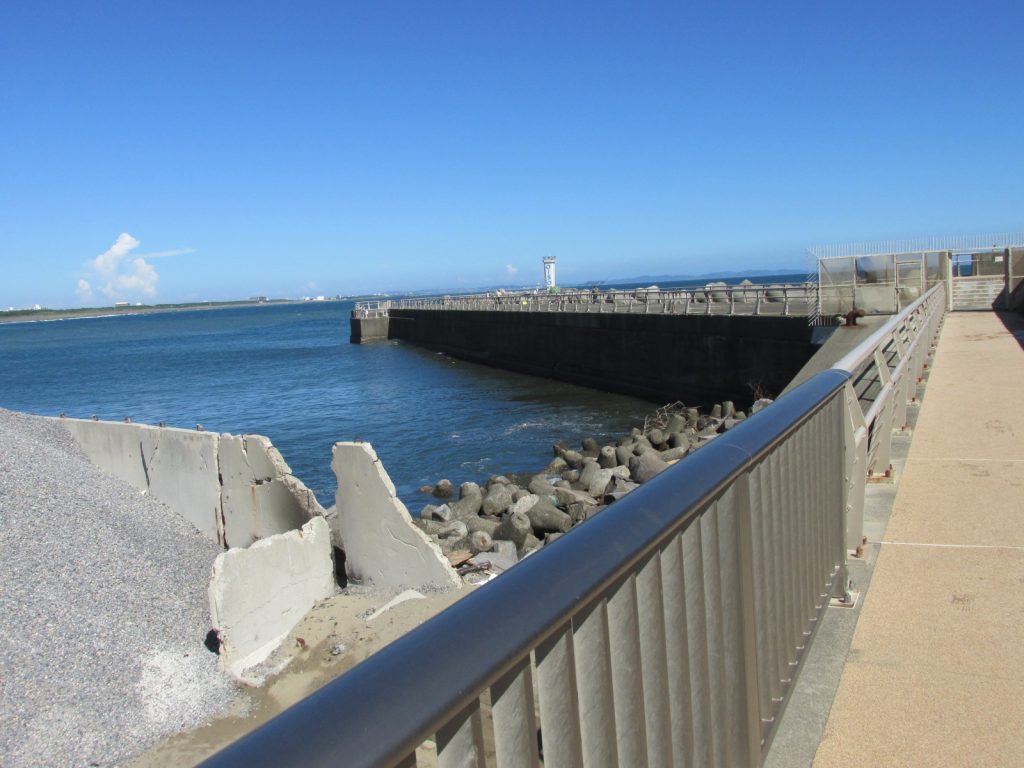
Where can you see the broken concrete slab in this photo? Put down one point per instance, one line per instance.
(259, 496)
(234, 489)
(259, 593)
(382, 546)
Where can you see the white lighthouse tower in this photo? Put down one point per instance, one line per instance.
(549, 272)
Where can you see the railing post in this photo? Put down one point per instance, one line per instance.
(883, 426)
(855, 471)
(900, 389)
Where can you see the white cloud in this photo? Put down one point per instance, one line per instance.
(166, 254)
(120, 277)
(84, 292)
(140, 276)
(107, 262)
(511, 269)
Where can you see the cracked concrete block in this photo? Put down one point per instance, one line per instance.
(258, 594)
(183, 475)
(259, 498)
(382, 546)
(234, 489)
(264, 459)
(123, 450)
(176, 466)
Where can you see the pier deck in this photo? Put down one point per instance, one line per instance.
(933, 676)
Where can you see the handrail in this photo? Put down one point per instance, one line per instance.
(684, 608)
(860, 354)
(773, 299)
(891, 363)
(484, 636)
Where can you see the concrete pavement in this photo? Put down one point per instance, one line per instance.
(934, 675)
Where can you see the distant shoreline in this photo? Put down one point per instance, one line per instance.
(45, 315)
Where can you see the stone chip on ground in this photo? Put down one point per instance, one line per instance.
(102, 609)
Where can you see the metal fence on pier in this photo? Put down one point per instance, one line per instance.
(668, 630)
(791, 299)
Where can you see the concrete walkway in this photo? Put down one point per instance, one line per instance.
(935, 673)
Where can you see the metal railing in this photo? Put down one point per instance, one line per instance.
(885, 371)
(789, 299)
(667, 630)
(996, 240)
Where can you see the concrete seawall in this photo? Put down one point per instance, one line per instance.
(661, 358)
(234, 489)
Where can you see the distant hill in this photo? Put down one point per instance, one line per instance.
(703, 276)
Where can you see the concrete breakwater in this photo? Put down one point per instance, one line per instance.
(491, 527)
(658, 357)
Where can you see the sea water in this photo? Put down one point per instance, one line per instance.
(288, 371)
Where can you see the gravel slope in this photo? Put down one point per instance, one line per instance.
(103, 609)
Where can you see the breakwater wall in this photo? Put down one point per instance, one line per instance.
(659, 357)
(236, 489)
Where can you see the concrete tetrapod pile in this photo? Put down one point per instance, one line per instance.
(487, 529)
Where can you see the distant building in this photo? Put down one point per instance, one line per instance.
(118, 304)
(259, 299)
(549, 272)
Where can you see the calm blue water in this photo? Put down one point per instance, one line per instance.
(289, 372)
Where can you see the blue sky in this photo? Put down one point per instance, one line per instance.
(191, 151)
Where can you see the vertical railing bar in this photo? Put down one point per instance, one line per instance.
(713, 600)
(515, 719)
(763, 597)
(750, 754)
(677, 651)
(827, 511)
(700, 703)
(837, 543)
(789, 573)
(821, 507)
(558, 695)
(655, 669)
(596, 691)
(627, 673)
(460, 742)
(780, 583)
(795, 446)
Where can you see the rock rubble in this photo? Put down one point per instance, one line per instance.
(519, 514)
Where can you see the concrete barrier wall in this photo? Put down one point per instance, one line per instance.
(235, 489)
(382, 546)
(663, 358)
(257, 595)
(368, 329)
